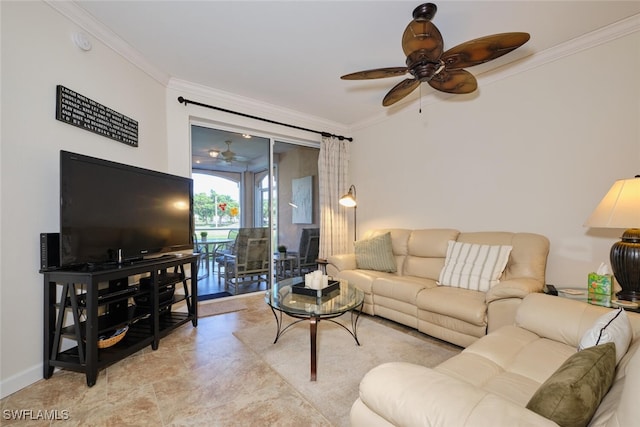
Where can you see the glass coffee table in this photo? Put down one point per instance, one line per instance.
(282, 299)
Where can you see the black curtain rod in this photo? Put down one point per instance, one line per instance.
(181, 100)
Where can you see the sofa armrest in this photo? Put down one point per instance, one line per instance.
(513, 288)
(405, 394)
(337, 263)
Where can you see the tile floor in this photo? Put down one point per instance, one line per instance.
(200, 376)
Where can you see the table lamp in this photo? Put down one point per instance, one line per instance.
(349, 201)
(620, 208)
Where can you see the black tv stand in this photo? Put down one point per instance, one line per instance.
(111, 297)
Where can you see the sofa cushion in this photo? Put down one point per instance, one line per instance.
(430, 243)
(405, 288)
(614, 327)
(547, 315)
(507, 363)
(619, 408)
(399, 238)
(528, 257)
(473, 266)
(572, 394)
(376, 254)
(404, 394)
(363, 280)
(456, 303)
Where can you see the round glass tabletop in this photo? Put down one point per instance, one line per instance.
(281, 297)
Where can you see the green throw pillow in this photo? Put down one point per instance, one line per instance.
(376, 254)
(572, 394)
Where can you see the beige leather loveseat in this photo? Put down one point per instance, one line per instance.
(411, 295)
(491, 382)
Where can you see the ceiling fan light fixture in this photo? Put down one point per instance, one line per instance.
(214, 153)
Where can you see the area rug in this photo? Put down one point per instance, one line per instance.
(213, 307)
(341, 363)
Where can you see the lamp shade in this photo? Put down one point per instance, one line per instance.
(620, 207)
(349, 199)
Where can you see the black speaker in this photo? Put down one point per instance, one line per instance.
(49, 250)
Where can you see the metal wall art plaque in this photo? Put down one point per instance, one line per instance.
(302, 199)
(85, 113)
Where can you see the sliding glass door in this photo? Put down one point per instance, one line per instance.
(297, 198)
(243, 182)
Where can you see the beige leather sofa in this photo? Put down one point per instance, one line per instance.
(491, 381)
(410, 296)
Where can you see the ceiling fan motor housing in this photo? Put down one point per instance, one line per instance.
(422, 67)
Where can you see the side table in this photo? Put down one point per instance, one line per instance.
(285, 265)
(581, 294)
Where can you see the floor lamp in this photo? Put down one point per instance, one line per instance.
(620, 208)
(349, 201)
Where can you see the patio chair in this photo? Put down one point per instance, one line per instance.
(250, 261)
(308, 251)
(225, 249)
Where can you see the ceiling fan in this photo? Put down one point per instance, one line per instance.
(229, 156)
(426, 62)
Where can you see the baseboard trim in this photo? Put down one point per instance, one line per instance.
(19, 381)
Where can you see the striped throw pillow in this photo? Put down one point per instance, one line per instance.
(376, 253)
(473, 266)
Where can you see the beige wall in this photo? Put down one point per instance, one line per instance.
(38, 54)
(534, 152)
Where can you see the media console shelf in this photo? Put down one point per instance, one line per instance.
(101, 300)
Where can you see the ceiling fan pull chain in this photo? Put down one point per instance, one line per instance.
(420, 111)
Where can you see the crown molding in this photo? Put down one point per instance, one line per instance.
(88, 23)
(252, 106)
(94, 27)
(587, 41)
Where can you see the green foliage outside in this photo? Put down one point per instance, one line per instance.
(218, 210)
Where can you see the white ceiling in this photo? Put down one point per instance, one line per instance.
(292, 53)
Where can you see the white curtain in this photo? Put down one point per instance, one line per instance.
(333, 171)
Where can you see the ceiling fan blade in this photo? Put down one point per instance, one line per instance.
(378, 73)
(454, 81)
(422, 35)
(483, 49)
(399, 91)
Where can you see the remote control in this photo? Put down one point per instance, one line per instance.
(551, 290)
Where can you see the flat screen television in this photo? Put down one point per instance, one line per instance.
(112, 212)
